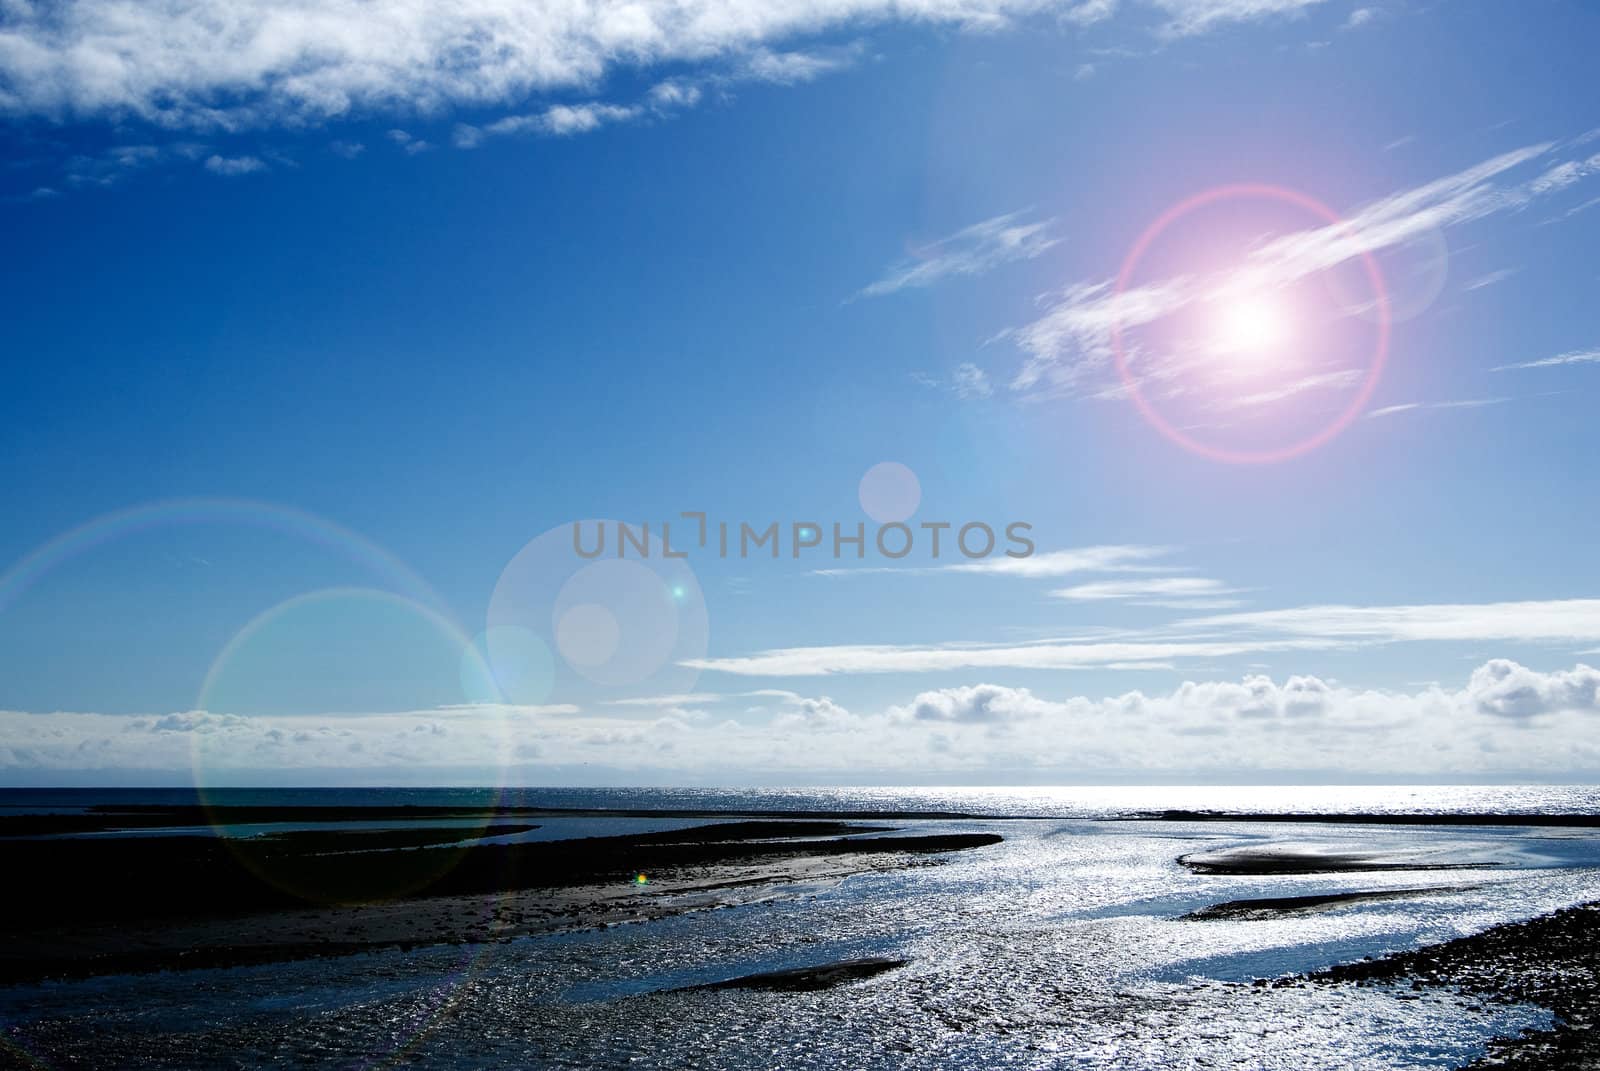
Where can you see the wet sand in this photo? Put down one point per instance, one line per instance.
(805, 979)
(1281, 859)
(164, 911)
(190, 901)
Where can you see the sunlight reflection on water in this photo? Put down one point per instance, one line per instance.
(1061, 947)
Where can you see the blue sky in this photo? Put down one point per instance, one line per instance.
(316, 317)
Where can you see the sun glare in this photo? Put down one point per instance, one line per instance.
(1251, 326)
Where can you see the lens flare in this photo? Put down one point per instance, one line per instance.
(618, 619)
(290, 691)
(1233, 345)
(160, 515)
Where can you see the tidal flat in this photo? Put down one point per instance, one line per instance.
(866, 937)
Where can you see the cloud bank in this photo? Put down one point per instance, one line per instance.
(232, 64)
(1505, 717)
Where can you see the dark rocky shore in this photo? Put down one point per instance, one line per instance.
(1559, 821)
(1552, 961)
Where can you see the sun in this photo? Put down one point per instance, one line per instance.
(1252, 326)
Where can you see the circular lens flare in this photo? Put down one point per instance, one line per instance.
(1258, 322)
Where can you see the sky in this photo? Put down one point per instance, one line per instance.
(1261, 333)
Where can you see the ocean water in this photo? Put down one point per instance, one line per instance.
(1062, 947)
(1047, 802)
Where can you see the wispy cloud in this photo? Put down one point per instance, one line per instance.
(966, 382)
(1170, 590)
(1067, 348)
(234, 165)
(1218, 636)
(408, 143)
(1361, 16)
(1191, 17)
(682, 699)
(792, 67)
(1053, 563)
(970, 381)
(1489, 279)
(664, 99)
(1341, 380)
(1558, 620)
(970, 251)
(1411, 407)
(1072, 340)
(1570, 357)
(560, 120)
(831, 660)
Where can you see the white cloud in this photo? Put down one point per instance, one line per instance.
(1334, 381)
(1490, 279)
(682, 699)
(1108, 558)
(1504, 688)
(1161, 587)
(559, 120)
(214, 744)
(233, 63)
(1570, 357)
(1125, 558)
(564, 119)
(1190, 17)
(1459, 198)
(790, 68)
(813, 713)
(674, 93)
(1557, 620)
(236, 165)
(967, 382)
(830, 660)
(239, 63)
(978, 703)
(1506, 717)
(1411, 407)
(970, 381)
(1089, 12)
(1218, 636)
(970, 251)
(1565, 174)
(662, 99)
(1583, 206)
(1073, 338)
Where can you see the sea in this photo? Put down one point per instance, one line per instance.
(1063, 946)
